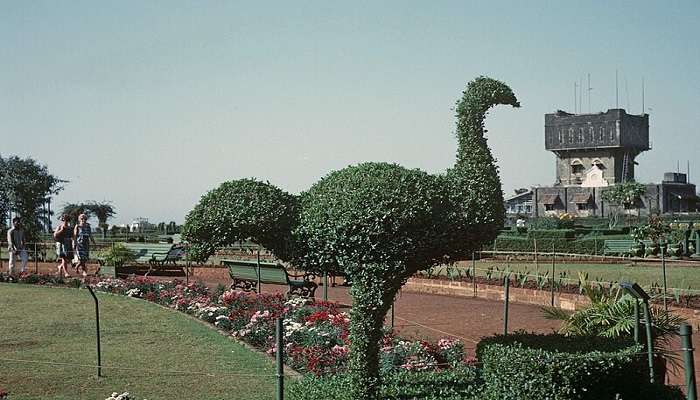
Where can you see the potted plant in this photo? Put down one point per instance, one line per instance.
(114, 258)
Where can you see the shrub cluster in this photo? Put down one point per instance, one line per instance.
(462, 383)
(551, 233)
(585, 245)
(526, 366)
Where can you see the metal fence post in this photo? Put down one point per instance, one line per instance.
(554, 256)
(258, 271)
(36, 259)
(474, 272)
(686, 333)
(537, 261)
(506, 286)
(325, 286)
(279, 358)
(636, 321)
(650, 346)
(663, 271)
(97, 323)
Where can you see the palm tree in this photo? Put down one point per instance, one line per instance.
(73, 210)
(103, 211)
(612, 316)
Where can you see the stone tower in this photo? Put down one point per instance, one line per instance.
(596, 150)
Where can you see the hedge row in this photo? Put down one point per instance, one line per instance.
(534, 367)
(520, 366)
(551, 233)
(545, 245)
(458, 384)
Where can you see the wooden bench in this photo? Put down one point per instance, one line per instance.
(155, 255)
(245, 277)
(621, 246)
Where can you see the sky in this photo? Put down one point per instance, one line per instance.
(150, 104)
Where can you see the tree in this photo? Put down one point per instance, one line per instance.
(244, 209)
(73, 210)
(627, 195)
(24, 186)
(378, 222)
(381, 223)
(103, 212)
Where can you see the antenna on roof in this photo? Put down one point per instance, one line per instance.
(575, 96)
(644, 111)
(589, 93)
(580, 97)
(616, 94)
(627, 93)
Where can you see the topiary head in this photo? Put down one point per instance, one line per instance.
(240, 210)
(375, 216)
(483, 93)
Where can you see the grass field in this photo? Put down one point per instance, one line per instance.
(679, 277)
(57, 325)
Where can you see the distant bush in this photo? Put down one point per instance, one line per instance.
(527, 366)
(551, 233)
(560, 245)
(118, 255)
(458, 384)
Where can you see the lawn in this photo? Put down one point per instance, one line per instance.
(680, 277)
(172, 355)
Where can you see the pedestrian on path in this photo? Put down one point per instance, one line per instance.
(63, 235)
(82, 236)
(16, 247)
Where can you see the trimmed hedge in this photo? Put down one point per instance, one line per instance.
(526, 366)
(458, 384)
(551, 233)
(580, 246)
(550, 223)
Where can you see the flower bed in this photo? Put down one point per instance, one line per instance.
(315, 332)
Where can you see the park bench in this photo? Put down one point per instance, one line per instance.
(245, 277)
(620, 246)
(155, 255)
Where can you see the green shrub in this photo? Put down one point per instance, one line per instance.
(550, 223)
(585, 245)
(526, 366)
(551, 233)
(458, 384)
(118, 255)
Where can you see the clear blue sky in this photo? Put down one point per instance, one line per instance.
(150, 104)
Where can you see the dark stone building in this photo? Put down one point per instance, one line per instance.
(595, 151)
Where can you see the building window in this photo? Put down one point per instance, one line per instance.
(571, 135)
(582, 206)
(580, 135)
(611, 136)
(561, 137)
(601, 134)
(549, 207)
(591, 135)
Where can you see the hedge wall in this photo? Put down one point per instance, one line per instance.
(533, 367)
(551, 233)
(545, 245)
(458, 384)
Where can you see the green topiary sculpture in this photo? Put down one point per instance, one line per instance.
(379, 223)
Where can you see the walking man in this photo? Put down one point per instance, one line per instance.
(16, 247)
